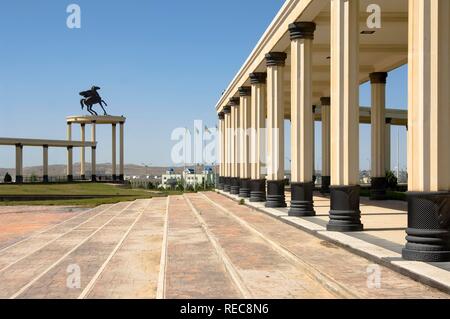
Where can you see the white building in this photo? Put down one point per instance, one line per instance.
(189, 178)
(170, 179)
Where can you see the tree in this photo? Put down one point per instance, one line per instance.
(8, 178)
(391, 180)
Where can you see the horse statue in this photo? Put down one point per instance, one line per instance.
(90, 98)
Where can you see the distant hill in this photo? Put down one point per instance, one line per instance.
(104, 168)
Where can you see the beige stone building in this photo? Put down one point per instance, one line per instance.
(317, 53)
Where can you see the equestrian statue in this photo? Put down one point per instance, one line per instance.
(90, 98)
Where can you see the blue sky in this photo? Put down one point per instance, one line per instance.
(163, 64)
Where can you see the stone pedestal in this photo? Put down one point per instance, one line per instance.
(244, 190)
(428, 230)
(345, 215)
(227, 184)
(235, 185)
(302, 203)
(275, 194)
(257, 190)
(221, 185)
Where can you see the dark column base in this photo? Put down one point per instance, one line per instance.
(257, 190)
(94, 178)
(302, 203)
(235, 186)
(19, 179)
(345, 215)
(244, 190)
(227, 184)
(275, 194)
(325, 185)
(70, 178)
(428, 230)
(378, 189)
(83, 177)
(45, 178)
(121, 178)
(114, 177)
(220, 184)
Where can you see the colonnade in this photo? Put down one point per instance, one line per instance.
(243, 119)
(94, 121)
(20, 143)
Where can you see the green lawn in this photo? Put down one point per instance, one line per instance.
(125, 194)
(391, 195)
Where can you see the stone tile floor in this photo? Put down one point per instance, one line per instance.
(192, 246)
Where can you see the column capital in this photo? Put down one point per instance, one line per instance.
(235, 101)
(388, 120)
(45, 146)
(221, 116)
(378, 77)
(227, 110)
(114, 124)
(276, 58)
(325, 101)
(69, 147)
(302, 30)
(19, 145)
(245, 91)
(258, 78)
(83, 124)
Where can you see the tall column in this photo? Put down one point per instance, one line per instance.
(121, 152)
(45, 163)
(378, 120)
(83, 153)
(69, 170)
(235, 141)
(258, 136)
(387, 149)
(345, 214)
(302, 121)
(93, 152)
(222, 150)
(428, 131)
(325, 101)
(275, 62)
(19, 163)
(114, 152)
(70, 163)
(227, 148)
(244, 145)
(314, 144)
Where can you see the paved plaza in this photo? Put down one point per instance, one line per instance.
(201, 245)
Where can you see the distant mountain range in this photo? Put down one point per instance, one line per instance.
(104, 168)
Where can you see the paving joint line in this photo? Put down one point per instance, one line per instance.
(24, 288)
(87, 290)
(383, 261)
(161, 288)
(55, 239)
(231, 269)
(45, 230)
(328, 282)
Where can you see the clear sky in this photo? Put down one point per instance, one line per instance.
(163, 64)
